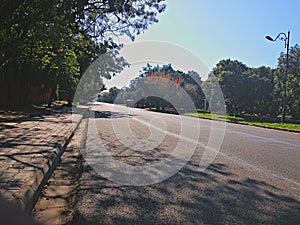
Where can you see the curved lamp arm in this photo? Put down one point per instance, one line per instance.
(285, 38)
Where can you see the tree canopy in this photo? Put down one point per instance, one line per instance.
(162, 88)
(246, 90)
(52, 42)
(259, 91)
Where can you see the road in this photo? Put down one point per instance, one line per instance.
(253, 174)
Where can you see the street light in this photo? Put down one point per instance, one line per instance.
(286, 39)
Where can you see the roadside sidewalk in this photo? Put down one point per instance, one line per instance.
(56, 203)
(30, 148)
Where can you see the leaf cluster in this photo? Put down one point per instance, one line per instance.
(53, 42)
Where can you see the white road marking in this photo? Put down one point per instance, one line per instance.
(234, 159)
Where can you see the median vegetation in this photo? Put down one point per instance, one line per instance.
(249, 121)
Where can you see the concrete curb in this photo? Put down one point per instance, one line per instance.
(29, 193)
(53, 208)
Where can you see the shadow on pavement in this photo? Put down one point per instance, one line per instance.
(108, 114)
(10, 215)
(30, 141)
(215, 196)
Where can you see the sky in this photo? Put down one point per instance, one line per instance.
(212, 30)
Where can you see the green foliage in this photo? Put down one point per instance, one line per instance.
(52, 42)
(292, 80)
(241, 120)
(233, 81)
(247, 91)
(262, 97)
(109, 96)
(57, 92)
(164, 88)
(258, 91)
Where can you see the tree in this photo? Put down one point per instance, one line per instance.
(263, 99)
(109, 96)
(232, 79)
(52, 43)
(162, 87)
(292, 80)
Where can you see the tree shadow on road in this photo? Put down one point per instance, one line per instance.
(213, 196)
(217, 195)
(108, 114)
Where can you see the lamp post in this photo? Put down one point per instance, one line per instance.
(286, 39)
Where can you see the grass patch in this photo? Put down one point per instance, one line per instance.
(58, 104)
(63, 102)
(123, 104)
(167, 110)
(290, 126)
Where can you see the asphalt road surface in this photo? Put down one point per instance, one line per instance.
(247, 175)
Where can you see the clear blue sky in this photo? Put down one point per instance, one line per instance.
(219, 29)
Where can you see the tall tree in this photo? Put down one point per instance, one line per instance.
(60, 39)
(233, 82)
(168, 88)
(263, 99)
(292, 80)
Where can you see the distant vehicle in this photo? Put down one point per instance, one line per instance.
(129, 103)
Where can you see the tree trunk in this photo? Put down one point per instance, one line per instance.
(51, 97)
